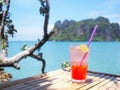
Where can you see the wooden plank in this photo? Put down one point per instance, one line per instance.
(95, 81)
(45, 82)
(44, 79)
(109, 85)
(104, 73)
(73, 86)
(55, 82)
(34, 78)
(61, 80)
(53, 79)
(116, 86)
(99, 85)
(21, 86)
(69, 85)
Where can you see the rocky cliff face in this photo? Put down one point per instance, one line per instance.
(81, 30)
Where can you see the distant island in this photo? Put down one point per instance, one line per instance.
(70, 30)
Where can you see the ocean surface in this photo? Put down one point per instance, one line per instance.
(104, 57)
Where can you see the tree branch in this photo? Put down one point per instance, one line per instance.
(39, 57)
(44, 10)
(4, 18)
(12, 62)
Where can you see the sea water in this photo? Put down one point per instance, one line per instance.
(104, 57)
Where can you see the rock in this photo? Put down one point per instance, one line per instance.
(5, 80)
(4, 77)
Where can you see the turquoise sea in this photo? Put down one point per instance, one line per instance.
(104, 57)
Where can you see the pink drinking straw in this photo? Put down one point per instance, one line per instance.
(90, 39)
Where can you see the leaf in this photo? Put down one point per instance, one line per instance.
(2, 1)
(25, 47)
(65, 64)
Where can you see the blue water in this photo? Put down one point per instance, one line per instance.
(104, 57)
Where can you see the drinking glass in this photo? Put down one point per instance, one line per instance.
(79, 63)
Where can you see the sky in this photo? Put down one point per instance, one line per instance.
(29, 23)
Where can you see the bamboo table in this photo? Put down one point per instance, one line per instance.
(61, 80)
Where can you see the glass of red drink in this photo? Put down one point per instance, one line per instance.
(79, 62)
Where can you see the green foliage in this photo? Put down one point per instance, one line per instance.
(25, 47)
(44, 7)
(65, 64)
(11, 28)
(81, 31)
(8, 25)
(2, 1)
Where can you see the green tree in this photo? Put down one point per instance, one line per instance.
(5, 21)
